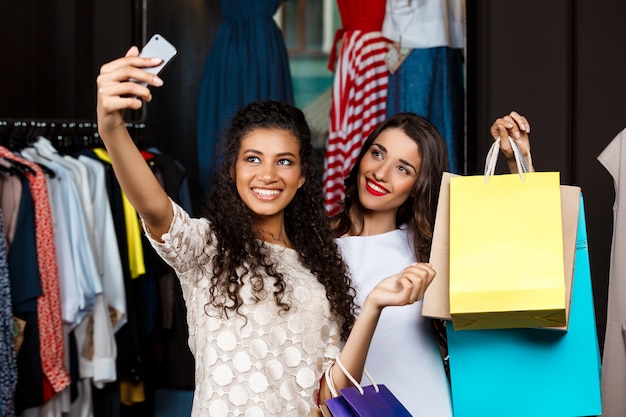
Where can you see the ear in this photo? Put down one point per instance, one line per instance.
(301, 181)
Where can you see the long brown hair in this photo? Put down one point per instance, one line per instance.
(418, 212)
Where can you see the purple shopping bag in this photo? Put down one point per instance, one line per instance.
(363, 401)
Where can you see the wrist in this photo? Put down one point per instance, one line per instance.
(371, 307)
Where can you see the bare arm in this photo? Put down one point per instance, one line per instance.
(398, 290)
(517, 127)
(115, 95)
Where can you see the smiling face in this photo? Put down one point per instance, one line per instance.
(268, 172)
(388, 172)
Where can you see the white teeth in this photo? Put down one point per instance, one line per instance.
(265, 192)
(376, 187)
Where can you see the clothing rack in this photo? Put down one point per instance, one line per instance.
(65, 135)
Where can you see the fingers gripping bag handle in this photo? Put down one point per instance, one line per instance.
(492, 158)
(362, 401)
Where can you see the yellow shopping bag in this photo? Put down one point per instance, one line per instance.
(436, 302)
(506, 250)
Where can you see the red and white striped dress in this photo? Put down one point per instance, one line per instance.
(359, 91)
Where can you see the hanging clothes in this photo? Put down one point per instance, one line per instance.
(78, 275)
(130, 367)
(8, 370)
(78, 278)
(112, 275)
(48, 304)
(174, 362)
(248, 61)
(97, 320)
(10, 191)
(429, 82)
(613, 158)
(25, 290)
(359, 91)
(133, 231)
(152, 347)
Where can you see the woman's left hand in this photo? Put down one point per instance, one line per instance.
(404, 288)
(517, 127)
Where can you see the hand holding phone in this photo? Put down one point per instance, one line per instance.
(157, 47)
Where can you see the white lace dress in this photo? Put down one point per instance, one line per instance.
(267, 363)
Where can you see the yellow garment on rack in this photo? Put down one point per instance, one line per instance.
(133, 229)
(131, 392)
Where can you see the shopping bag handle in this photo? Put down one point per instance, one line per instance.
(331, 384)
(492, 158)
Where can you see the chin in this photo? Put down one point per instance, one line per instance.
(369, 205)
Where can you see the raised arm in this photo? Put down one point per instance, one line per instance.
(116, 94)
(517, 127)
(397, 290)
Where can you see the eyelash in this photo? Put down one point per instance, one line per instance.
(378, 155)
(256, 159)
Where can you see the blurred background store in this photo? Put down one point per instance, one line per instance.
(560, 63)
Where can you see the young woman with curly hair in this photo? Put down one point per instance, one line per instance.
(385, 224)
(268, 296)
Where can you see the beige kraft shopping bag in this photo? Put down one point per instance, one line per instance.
(436, 298)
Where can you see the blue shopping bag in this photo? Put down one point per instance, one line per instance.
(532, 372)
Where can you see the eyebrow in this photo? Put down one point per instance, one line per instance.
(280, 155)
(403, 161)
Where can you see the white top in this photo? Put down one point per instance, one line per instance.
(404, 355)
(112, 274)
(425, 23)
(262, 362)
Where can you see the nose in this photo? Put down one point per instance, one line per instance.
(381, 173)
(267, 174)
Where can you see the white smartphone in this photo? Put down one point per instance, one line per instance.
(158, 47)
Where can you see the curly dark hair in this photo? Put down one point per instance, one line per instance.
(240, 251)
(418, 213)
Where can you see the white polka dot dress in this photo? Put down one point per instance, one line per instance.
(262, 362)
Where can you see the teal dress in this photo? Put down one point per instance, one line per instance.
(247, 62)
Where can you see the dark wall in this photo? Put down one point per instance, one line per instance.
(599, 114)
(560, 63)
(171, 121)
(53, 51)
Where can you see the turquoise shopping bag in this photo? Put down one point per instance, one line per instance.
(532, 372)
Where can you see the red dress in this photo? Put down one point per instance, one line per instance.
(359, 91)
